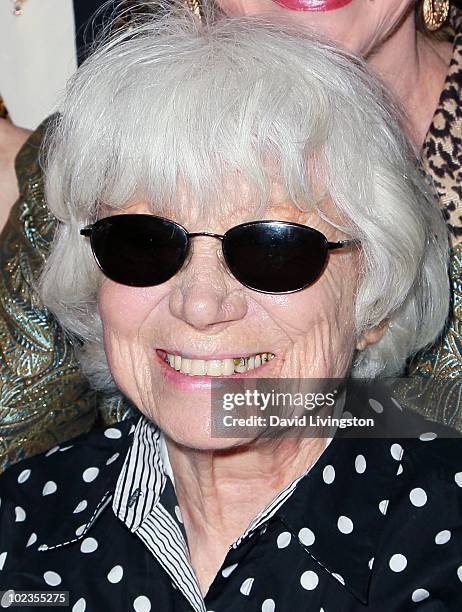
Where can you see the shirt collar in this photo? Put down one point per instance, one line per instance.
(135, 478)
(106, 450)
(348, 557)
(318, 513)
(143, 476)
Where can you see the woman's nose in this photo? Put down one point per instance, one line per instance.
(205, 295)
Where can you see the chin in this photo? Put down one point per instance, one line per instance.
(197, 438)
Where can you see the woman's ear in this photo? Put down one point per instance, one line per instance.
(371, 335)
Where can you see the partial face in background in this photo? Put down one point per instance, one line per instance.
(359, 25)
(203, 313)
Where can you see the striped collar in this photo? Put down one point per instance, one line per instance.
(146, 480)
(143, 476)
(145, 501)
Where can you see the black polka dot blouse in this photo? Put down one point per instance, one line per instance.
(375, 524)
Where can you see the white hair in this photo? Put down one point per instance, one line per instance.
(175, 103)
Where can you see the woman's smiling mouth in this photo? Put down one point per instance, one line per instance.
(215, 367)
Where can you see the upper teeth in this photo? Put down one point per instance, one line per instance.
(216, 367)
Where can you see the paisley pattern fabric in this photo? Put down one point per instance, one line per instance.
(434, 383)
(44, 398)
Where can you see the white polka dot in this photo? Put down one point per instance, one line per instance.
(90, 474)
(328, 474)
(142, 604)
(80, 506)
(345, 525)
(284, 539)
(420, 595)
(360, 464)
(80, 530)
(443, 537)
(370, 563)
(398, 563)
(2, 559)
(88, 545)
(20, 514)
(113, 433)
(32, 539)
(49, 488)
(418, 497)
(347, 414)
(376, 406)
(309, 580)
(246, 586)
(458, 478)
(306, 536)
(384, 505)
(339, 578)
(459, 572)
(268, 606)
(396, 451)
(52, 578)
(51, 451)
(228, 570)
(116, 574)
(178, 514)
(80, 605)
(23, 476)
(427, 437)
(112, 459)
(6, 599)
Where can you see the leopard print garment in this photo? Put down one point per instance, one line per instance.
(442, 149)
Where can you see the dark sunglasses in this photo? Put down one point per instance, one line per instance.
(266, 256)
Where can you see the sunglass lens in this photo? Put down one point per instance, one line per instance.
(275, 257)
(139, 250)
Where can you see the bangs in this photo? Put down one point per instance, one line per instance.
(212, 130)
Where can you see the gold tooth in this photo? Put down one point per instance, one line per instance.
(237, 361)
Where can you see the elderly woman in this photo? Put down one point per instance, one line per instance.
(44, 397)
(235, 203)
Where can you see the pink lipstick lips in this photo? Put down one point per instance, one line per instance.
(319, 6)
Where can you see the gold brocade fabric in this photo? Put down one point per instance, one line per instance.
(44, 399)
(434, 383)
(435, 386)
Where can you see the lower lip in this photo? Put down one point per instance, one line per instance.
(314, 6)
(200, 383)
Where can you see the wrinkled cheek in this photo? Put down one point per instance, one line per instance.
(123, 309)
(122, 314)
